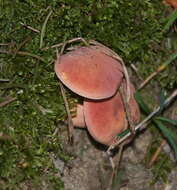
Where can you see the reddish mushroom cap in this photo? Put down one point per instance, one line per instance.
(172, 3)
(89, 72)
(105, 119)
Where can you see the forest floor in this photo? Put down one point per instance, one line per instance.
(90, 168)
(34, 153)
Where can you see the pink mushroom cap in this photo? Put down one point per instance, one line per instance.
(89, 72)
(105, 119)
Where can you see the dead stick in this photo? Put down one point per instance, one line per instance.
(4, 80)
(30, 28)
(148, 79)
(9, 100)
(67, 42)
(157, 152)
(70, 122)
(160, 69)
(21, 45)
(115, 169)
(24, 53)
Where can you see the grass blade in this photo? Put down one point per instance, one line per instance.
(171, 20)
(171, 121)
(44, 29)
(170, 135)
(162, 100)
(141, 103)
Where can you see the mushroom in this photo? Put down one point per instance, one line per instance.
(172, 3)
(94, 74)
(79, 120)
(89, 72)
(105, 119)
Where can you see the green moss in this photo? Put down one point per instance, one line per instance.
(163, 165)
(132, 28)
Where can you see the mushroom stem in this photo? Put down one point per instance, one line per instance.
(79, 120)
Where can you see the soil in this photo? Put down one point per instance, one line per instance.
(91, 168)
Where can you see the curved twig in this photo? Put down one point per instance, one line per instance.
(24, 54)
(67, 42)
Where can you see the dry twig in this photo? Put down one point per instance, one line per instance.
(4, 44)
(70, 122)
(23, 53)
(151, 77)
(30, 28)
(136, 71)
(4, 80)
(116, 166)
(9, 100)
(67, 42)
(21, 45)
(160, 69)
(156, 154)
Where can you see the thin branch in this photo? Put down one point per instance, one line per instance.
(148, 79)
(21, 45)
(144, 123)
(9, 100)
(11, 85)
(23, 53)
(67, 42)
(70, 122)
(4, 44)
(30, 28)
(117, 164)
(4, 80)
(136, 71)
(160, 69)
(156, 154)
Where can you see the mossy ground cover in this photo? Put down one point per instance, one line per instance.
(134, 29)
